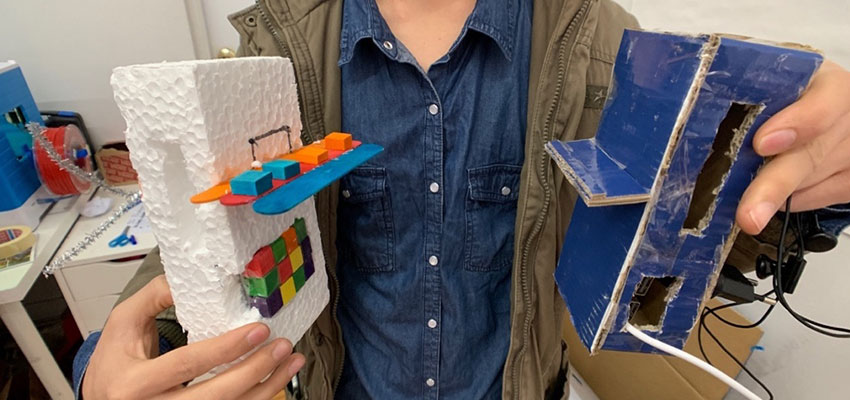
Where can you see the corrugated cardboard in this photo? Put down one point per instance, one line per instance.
(617, 375)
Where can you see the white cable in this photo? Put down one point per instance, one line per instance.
(693, 360)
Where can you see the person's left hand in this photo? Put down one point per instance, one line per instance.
(810, 140)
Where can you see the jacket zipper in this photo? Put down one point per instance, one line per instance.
(538, 224)
(284, 51)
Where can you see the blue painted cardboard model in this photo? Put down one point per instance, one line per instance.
(661, 181)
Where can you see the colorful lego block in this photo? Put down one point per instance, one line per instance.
(279, 249)
(307, 249)
(282, 169)
(300, 229)
(291, 239)
(268, 306)
(309, 155)
(296, 258)
(287, 291)
(284, 269)
(299, 278)
(262, 286)
(260, 265)
(338, 141)
(309, 267)
(251, 183)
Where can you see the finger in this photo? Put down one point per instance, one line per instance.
(278, 380)
(245, 375)
(780, 177)
(831, 191)
(837, 160)
(143, 306)
(193, 360)
(815, 112)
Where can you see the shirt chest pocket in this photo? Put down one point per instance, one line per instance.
(491, 207)
(364, 220)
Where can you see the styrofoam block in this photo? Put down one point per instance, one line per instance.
(188, 125)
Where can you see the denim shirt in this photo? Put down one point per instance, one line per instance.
(425, 229)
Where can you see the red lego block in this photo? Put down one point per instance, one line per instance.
(291, 239)
(261, 264)
(284, 269)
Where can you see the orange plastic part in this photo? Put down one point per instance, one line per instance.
(212, 194)
(338, 141)
(291, 239)
(308, 155)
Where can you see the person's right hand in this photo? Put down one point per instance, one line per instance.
(126, 364)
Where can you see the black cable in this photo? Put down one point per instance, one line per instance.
(702, 326)
(777, 279)
(752, 325)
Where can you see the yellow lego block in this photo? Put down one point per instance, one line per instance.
(297, 258)
(287, 291)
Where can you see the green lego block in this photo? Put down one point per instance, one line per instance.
(300, 229)
(264, 286)
(279, 249)
(299, 278)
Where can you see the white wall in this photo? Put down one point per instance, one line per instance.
(67, 50)
(795, 363)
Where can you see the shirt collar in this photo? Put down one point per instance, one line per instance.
(361, 20)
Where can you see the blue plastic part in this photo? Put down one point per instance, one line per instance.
(293, 193)
(18, 176)
(609, 250)
(251, 183)
(66, 113)
(81, 153)
(282, 169)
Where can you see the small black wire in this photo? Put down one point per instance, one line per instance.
(777, 279)
(748, 326)
(702, 325)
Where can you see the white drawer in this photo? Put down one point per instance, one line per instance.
(93, 312)
(99, 279)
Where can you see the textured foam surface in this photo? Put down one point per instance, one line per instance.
(188, 125)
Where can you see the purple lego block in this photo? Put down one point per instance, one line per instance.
(268, 306)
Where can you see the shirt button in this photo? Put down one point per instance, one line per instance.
(430, 382)
(346, 194)
(433, 260)
(432, 323)
(506, 190)
(435, 187)
(433, 109)
(388, 45)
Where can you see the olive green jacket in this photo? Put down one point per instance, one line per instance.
(574, 43)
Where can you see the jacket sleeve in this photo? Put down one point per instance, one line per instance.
(166, 321)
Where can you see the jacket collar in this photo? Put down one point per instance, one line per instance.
(362, 20)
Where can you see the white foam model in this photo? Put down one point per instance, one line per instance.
(188, 125)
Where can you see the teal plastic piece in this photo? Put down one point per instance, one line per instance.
(282, 169)
(293, 193)
(251, 183)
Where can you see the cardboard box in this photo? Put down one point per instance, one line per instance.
(616, 375)
(114, 162)
(661, 181)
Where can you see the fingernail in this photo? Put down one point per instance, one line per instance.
(761, 214)
(281, 350)
(296, 365)
(777, 142)
(256, 335)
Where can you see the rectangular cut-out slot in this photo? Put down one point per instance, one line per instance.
(730, 135)
(650, 299)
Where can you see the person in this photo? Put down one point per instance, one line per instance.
(441, 250)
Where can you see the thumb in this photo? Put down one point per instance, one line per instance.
(144, 306)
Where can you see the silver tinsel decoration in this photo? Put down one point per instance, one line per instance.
(60, 260)
(133, 198)
(37, 132)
